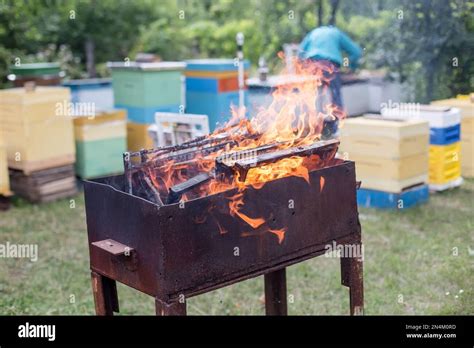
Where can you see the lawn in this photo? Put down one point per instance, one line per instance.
(417, 261)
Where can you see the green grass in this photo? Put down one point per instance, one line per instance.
(408, 253)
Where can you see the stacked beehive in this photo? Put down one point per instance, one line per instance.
(391, 160)
(212, 86)
(101, 139)
(465, 104)
(445, 145)
(39, 141)
(143, 89)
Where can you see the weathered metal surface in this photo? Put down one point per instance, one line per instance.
(275, 293)
(352, 277)
(129, 220)
(113, 247)
(175, 308)
(105, 294)
(191, 249)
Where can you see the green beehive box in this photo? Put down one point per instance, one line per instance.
(36, 69)
(100, 157)
(147, 85)
(100, 143)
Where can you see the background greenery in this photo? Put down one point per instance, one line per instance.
(416, 40)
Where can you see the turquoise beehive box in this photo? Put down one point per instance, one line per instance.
(145, 88)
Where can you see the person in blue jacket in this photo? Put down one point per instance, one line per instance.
(325, 44)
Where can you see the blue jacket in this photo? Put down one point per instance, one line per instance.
(327, 43)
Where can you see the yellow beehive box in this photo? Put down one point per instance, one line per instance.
(467, 126)
(103, 125)
(138, 137)
(384, 138)
(445, 163)
(392, 169)
(466, 104)
(391, 175)
(4, 179)
(38, 129)
(390, 155)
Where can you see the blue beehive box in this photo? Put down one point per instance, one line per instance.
(212, 88)
(387, 200)
(446, 135)
(215, 106)
(97, 91)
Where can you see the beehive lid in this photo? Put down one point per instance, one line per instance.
(155, 66)
(214, 65)
(371, 125)
(101, 116)
(88, 82)
(438, 116)
(38, 95)
(36, 69)
(465, 103)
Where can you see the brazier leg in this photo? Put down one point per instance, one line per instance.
(105, 294)
(352, 277)
(275, 293)
(170, 308)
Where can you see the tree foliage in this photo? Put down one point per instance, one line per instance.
(420, 47)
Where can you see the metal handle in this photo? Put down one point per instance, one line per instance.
(120, 252)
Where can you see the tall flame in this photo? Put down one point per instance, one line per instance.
(294, 118)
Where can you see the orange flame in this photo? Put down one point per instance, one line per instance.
(236, 202)
(279, 233)
(294, 118)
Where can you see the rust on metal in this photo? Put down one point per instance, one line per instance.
(275, 293)
(113, 247)
(174, 256)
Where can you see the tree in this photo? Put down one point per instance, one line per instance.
(26, 28)
(320, 12)
(428, 44)
(334, 7)
(106, 29)
(431, 32)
